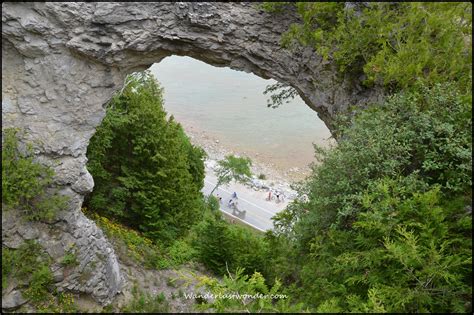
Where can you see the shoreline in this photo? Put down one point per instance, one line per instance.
(274, 180)
(216, 150)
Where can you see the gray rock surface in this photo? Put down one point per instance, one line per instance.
(73, 230)
(61, 62)
(12, 300)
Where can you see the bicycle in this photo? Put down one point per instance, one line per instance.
(272, 197)
(280, 197)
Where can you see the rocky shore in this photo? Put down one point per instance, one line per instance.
(267, 177)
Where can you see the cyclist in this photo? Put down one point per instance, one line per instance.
(269, 195)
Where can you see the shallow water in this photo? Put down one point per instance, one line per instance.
(231, 106)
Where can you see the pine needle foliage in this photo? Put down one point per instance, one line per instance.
(147, 173)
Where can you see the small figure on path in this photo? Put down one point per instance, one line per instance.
(269, 195)
(234, 195)
(278, 197)
(231, 202)
(219, 198)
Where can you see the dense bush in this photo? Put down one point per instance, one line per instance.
(214, 246)
(19, 263)
(255, 295)
(147, 174)
(407, 251)
(223, 247)
(25, 182)
(387, 224)
(427, 132)
(133, 246)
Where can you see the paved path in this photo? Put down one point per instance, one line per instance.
(258, 211)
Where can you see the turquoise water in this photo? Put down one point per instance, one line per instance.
(230, 104)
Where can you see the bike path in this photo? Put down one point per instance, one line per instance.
(258, 211)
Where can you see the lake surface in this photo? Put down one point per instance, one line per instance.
(231, 106)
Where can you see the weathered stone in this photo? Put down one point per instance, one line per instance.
(14, 241)
(55, 250)
(12, 300)
(84, 184)
(57, 245)
(61, 62)
(58, 275)
(30, 233)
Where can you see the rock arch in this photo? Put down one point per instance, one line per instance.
(61, 62)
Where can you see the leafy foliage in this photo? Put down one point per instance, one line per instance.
(25, 182)
(29, 266)
(213, 204)
(386, 227)
(246, 294)
(20, 263)
(403, 254)
(425, 132)
(38, 286)
(232, 168)
(223, 247)
(146, 303)
(130, 244)
(70, 259)
(279, 93)
(147, 173)
(393, 44)
(214, 245)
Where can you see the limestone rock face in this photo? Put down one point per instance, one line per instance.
(98, 271)
(12, 300)
(61, 62)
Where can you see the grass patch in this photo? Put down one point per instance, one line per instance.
(141, 249)
(70, 259)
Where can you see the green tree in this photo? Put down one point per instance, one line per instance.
(391, 44)
(223, 247)
(214, 245)
(147, 173)
(232, 168)
(387, 226)
(427, 132)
